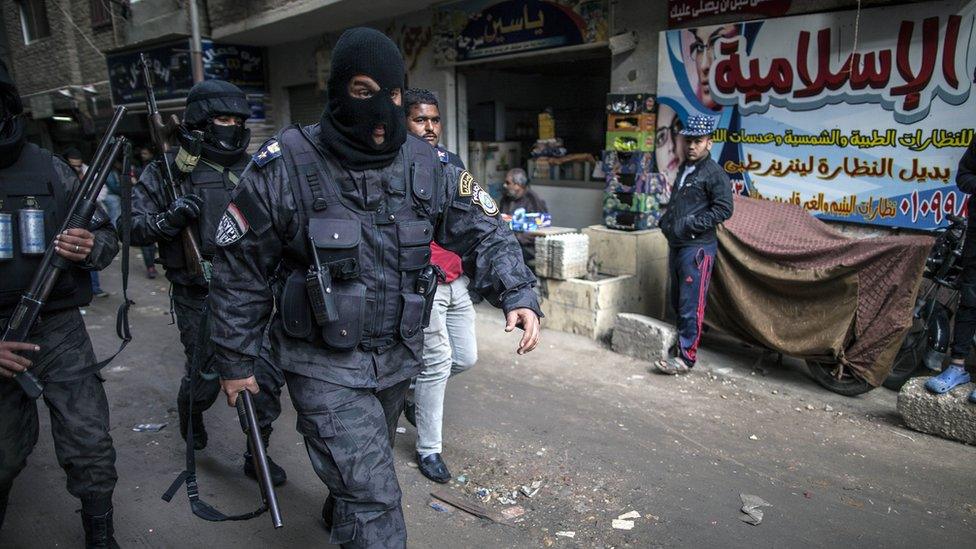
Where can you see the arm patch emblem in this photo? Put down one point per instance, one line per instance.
(484, 200)
(268, 152)
(232, 226)
(466, 184)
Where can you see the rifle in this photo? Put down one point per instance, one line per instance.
(159, 131)
(52, 265)
(249, 423)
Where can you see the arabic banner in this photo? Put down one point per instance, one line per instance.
(868, 135)
(682, 12)
(243, 66)
(479, 29)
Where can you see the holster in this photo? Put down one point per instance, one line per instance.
(427, 288)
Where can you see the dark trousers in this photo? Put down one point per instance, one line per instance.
(349, 436)
(965, 321)
(78, 407)
(149, 255)
(188, 305)
(690, 270)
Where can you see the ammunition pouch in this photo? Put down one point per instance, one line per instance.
(337, 246)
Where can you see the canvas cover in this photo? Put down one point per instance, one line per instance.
(789, 282)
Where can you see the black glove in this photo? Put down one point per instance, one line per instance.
(181, 213)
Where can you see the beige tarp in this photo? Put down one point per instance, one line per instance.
(786, 281)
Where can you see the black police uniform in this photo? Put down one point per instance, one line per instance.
(65, 364)
(372, 229)
(216, 174)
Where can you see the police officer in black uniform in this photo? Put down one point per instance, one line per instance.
(59, 351)
(359, 197)
(211, 158)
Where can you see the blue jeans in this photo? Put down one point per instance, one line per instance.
(690, 269)
(450, 347)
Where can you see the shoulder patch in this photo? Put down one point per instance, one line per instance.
(484, 200)
(466, 184)
(232, 226)
(268, 152)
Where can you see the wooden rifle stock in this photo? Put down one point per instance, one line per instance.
(160, 132)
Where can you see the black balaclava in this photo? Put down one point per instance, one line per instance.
(12, 123)
(347, 123)
(221, 144)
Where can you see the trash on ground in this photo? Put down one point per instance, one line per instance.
(477, 510)
(753, 437)
(630, 515)
(505, 500)
(566, 534)
(619, 524)
(401, 430)
(484, 494)
(532, 489)
(752, 514)
(149, 427)
(462, 479)
(513, 512)
(439, 507)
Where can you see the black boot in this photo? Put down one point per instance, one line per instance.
(278, 475)
(96, 517)
(199, 430)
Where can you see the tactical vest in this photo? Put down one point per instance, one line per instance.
(378, 260)
(32, 183)
(213, 183)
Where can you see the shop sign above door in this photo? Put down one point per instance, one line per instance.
(480, 29)
(681, 12)
(173, 77)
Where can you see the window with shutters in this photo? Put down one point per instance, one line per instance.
(101, 13)
(33, 20)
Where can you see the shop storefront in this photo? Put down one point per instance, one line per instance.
(532, 79)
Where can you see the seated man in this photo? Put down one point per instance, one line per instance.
(519, 195)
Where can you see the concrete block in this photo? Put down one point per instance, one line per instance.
(643, 254)
(605, 293)
(642, 337)
(592, 323)
(949, 416)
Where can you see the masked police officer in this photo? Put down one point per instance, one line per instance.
(212, 156)
(358, 197)
(59, 351)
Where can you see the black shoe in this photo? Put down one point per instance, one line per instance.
(278, 475)
(410, 412)
(99, 531)
(434, 468)
(199, 430)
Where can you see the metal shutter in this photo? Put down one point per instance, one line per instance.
(305, 104)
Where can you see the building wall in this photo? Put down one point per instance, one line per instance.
(306, 62)
(234, 11)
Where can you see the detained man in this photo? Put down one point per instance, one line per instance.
(450, 344)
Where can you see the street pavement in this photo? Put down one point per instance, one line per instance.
(597, 432)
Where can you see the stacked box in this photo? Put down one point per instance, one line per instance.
(646, 122)
(630, 141)
(631, 103)
(633, 197)
(562, 256)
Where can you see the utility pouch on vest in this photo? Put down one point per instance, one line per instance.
(295, 313)
(318, 283)
(335, 242)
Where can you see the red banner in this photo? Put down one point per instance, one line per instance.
(682, 12)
